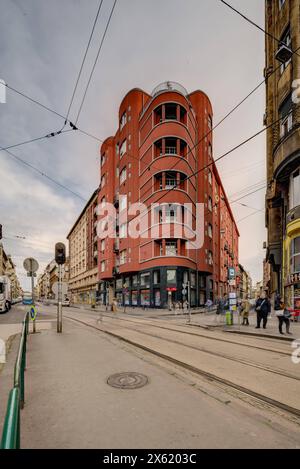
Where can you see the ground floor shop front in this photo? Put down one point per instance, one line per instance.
(160, 287)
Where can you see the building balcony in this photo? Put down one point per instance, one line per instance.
(293, 215)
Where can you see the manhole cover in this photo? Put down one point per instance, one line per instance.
(127, 380)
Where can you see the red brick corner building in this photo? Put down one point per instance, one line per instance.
(160, 145)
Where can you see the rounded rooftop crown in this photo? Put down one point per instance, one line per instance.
(169, 86)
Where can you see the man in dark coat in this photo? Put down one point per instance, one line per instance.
(262, 308)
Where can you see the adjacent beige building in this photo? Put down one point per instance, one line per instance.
(83, 255)
(283, 148)
(8, 268)
(48, 278)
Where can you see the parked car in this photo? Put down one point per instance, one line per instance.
(66, 302)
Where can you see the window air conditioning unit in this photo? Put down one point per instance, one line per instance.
(283, 54)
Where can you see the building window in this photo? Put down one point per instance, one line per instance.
(209, 177)
(171, 111)
(102, 245)
(286, 117)
(171, 214)
(135, 280)
(156, 277)
(123, 257)
(171, 248)
(209, 204)
(295, 255)
(210, 258)
(123, 120)
(103, 159)
(123, 202)
(145, 279)
(286, 39)
(123, 230)
(103, 181)
(281, 3)
(210, 151)
(119, 284)
(134, 298)
(171, 146)
(103, 266)
(209, 122)
(171, 277)
(145, 298)
(295, 189)
(123, 148)
(103, 202)
(123, 175)
(210, 230)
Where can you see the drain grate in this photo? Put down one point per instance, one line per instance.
(127, 380)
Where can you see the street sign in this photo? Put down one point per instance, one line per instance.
(184, 291)
(231, 272)
(31, 265)
(33, 313)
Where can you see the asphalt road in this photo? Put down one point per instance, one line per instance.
(17, 312)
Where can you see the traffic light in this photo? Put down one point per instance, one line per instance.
(60, 253)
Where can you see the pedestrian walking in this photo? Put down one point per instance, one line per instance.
(283, 315)
(222, 305)
(245, 309)
(262, 308)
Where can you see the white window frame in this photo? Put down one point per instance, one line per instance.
(103, 266)
(123, 148)
(294, 185)
(123, 231)
(123, 175)
(123, 202)
(123, 256)
(123, 120)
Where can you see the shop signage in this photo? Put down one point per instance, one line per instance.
(294, 278)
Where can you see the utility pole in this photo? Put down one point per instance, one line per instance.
(33, 299)
(189, 300)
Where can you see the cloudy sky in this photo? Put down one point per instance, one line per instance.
(198, 43)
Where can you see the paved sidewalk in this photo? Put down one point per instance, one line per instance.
(217, 321)
(68, 403)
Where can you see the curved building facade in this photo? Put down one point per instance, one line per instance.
(173, 221)
(283, 149)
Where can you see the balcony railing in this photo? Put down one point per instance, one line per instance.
(171, 151)
(170, 183)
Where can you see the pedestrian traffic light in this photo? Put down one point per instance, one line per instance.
(60, 253)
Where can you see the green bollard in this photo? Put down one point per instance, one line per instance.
(228, 317)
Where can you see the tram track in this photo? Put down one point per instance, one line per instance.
(212, 377)
(196, 334)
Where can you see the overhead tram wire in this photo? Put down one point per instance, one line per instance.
(95, 62)
(258, 27)
(50, 135)
(208, 133)
(38, 103)
(42, 173)
(83, 60)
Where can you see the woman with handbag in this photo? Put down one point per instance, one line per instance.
(283, 315)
